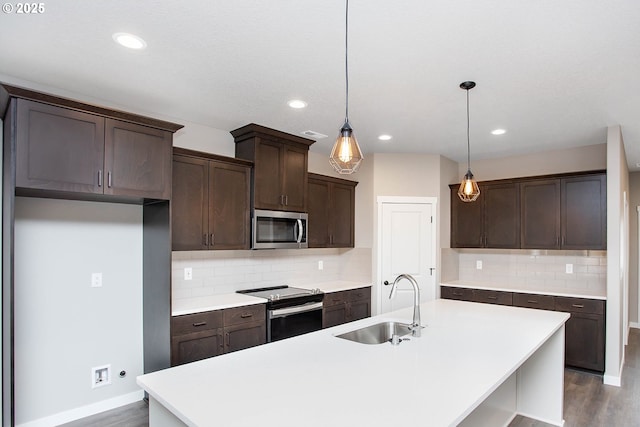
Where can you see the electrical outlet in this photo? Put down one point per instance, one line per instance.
(478, 265)
(569, 268)
(188, 273)
(100, 376)
(320, 265)
(96, 280)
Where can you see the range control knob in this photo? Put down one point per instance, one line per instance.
(271, 297)
(277, 296)
(315, 291)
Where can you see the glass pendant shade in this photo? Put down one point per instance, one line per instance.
(346, 155)
(468, 190)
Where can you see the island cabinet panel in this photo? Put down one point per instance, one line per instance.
(211, 204)
(201, 335)
(584, 212)
(72, 151)
(331, 212)
(346, 306)
(492, 221)
(280, 167)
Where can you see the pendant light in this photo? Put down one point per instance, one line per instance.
(469, 190)
(346, 155)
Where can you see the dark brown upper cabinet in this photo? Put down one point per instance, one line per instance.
(280, 167)
(68, 149)
(331, 212)
(210, 203)
(565, 213)
(492, 221)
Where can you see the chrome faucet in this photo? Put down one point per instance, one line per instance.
(415, 324)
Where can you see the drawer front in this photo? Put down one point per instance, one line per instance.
(245, 314)
(196, 322)
(543, 302)
(462, 294)
(335, 298)
(579, 305)
(360, 294)
(493, 297)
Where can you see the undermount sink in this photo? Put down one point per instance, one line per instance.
(378, 333)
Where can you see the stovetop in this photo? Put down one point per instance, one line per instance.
(278, 293)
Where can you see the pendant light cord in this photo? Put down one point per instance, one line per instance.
(346, 62)
(468, 144)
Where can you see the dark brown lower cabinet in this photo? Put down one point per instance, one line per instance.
(584, 331)
(202, 335)
(346, 306)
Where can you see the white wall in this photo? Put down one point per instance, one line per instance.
(64, 327)
(617, 254)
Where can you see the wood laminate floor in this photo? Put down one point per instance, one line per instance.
(587, 402)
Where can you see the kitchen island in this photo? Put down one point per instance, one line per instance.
(474, 365)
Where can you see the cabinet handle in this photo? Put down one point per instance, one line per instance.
(458, 294)
(199, 324)
(109, 179)
(245, 315)
(204, 239)
(211, 236)
(227, 338)
(286, 200)
(99, 178)
(282, 199)
(564, 240)
(557, 240)
(577, 305)
(492, 297)
(532, 301)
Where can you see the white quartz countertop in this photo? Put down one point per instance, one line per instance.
(221, 301)
(591, 293)
(212, 302)
(465, 352)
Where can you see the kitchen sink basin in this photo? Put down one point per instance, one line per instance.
(378, 333)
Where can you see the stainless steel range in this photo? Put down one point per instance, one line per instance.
(290, 311)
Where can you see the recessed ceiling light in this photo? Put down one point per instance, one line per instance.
(129, 40)
(498, 132)
(384, 137)
(297, 104)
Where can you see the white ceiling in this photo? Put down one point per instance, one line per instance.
(554, 73)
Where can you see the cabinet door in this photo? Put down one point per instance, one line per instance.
(189, 204)
(294, 180)
(501, 216)
(461, 294)
(584, 212)
(359, 304)
(196, 346)
(58, 149)
(137, 160)
(466, 221)
(319, 213)
(334, 315)
(584, 341)
(229, 206)
(268, 175)
(342, 216)
(243, 336)
(492, 297)
(540, 214)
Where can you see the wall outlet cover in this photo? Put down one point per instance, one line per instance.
(320, 265)
(96, 280)
(479, 265)
(100, 376)
(188, 273)
(569, 268)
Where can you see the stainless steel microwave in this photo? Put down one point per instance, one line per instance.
(279, 230)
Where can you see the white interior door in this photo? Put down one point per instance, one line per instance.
(406, 245)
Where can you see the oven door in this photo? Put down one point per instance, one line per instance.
(291, 321)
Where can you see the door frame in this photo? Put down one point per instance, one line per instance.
(382, 200)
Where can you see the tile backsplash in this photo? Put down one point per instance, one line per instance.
(536, 268)
(219, 272)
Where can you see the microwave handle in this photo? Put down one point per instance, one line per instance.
(298, 231)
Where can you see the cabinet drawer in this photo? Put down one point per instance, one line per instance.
(245, 314)
(335, 298)
(543, 302)
(579, 305)
(360, 294)
(196, 322)
(493, 297)
(463, 294)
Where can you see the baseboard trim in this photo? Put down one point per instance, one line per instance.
(85, 411)
(612, 379)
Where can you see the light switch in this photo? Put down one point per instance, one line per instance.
(188, 273)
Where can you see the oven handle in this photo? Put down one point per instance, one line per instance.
(297, 309)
